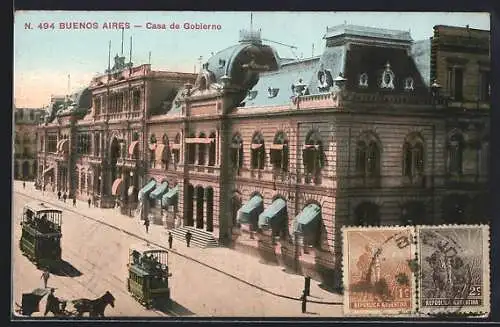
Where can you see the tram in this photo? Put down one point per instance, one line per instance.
(148, 275)
(41, 234)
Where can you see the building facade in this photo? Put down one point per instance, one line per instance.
(25, 149)
(92, 142)
(274, 157)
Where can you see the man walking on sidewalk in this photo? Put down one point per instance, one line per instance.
(170, 240)
(188, 238)
(74, 201)
(146, 223)
(64, 197)
(24, 184)
(59, 195)
(89, 201)
(45, 277)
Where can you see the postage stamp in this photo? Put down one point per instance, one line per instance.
(453, 273)
(377, 270)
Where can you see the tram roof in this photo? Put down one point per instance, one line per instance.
(145, 248)
(41, 207)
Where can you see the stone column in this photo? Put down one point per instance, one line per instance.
(204, 209)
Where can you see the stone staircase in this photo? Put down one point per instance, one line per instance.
(200, 238)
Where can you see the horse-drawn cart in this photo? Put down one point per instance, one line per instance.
(58, 307)
(30, 302)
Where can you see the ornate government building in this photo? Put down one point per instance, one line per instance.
(273, 156)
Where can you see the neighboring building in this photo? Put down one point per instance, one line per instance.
(25, 150)
(274, 156)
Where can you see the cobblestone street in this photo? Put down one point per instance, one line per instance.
(205, 282)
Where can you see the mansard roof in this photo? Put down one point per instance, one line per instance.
(367, 32)
(229, 62)
(374, 61)
(421, 53)
(307, 70)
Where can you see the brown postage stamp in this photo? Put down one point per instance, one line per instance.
(454, 270)
(377, 270)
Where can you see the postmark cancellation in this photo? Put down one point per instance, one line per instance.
(377, 270)
(453, 269)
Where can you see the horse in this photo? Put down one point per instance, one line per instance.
(96, 307)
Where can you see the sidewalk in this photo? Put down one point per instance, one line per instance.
(245, 268)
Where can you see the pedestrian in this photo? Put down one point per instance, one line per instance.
(24, 184)
(45, 277)
(65, 196)
(89, 201)
(74, 201)
(146, 223)
(59, 195)
(170, 240)
(304, 301)
(188, 238)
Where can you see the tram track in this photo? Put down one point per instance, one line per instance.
(143, 239)
(88, 268)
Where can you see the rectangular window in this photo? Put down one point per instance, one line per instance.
(458, 89)
(83, 144)
(484, 86)
(455, 82)
(137, 100)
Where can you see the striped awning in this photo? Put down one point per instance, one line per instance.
(273, 215)
(249, 213)
(59, 145)
(255, 146)
(308, 219)
(132, 147)
(62, 145)
(277, 146)
(170, 198)
(117, 185)
(200, 140)
(148, 188)
(47, 170)
(159, 191)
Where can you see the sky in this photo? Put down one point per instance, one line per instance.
(45, 54)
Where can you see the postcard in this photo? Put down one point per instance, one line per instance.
(250, 164)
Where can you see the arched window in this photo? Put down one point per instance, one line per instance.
(367, 214)
(413, 154)
(258, 152)
(152, 150)
(313, 155)
(211, 149)
(237, 151)
(414, 213)
(485, 156)
(455, 208)
(455, 153)
(279, 152)
(202, 150)
(176, 149)
(368, 156)
(191, 151)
